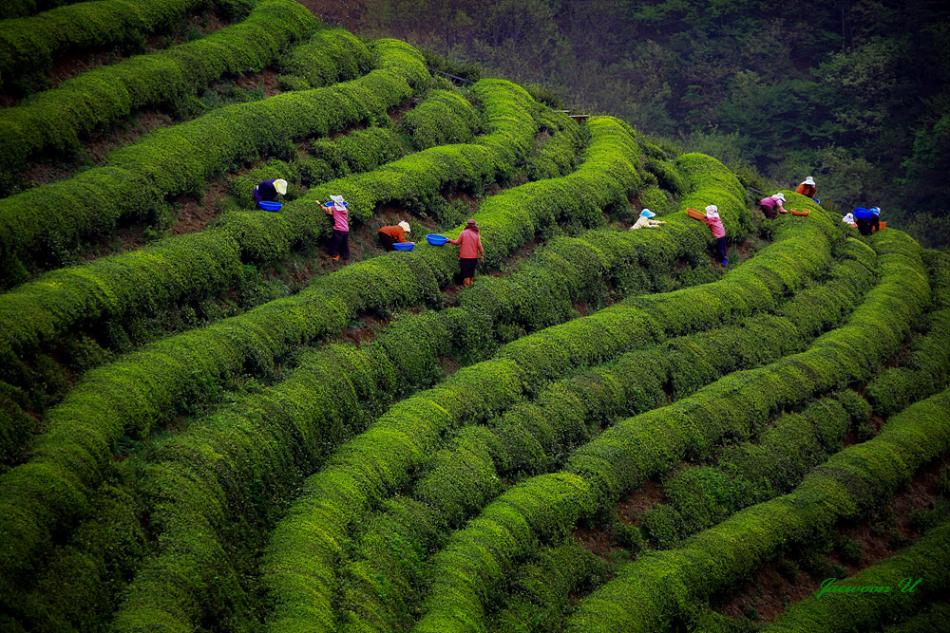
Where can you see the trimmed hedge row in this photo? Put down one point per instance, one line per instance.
(649, 592)
(927, 559)
(444, 117)
(543, 590)
(54, 121)
(933, 619)
(928, 367)
(170, 161)
(644, 445)
(698, 497)
(31, 44)
(289, 428)
(283, 441)
(23, 8)
(390, 555)
(304, 548)
(331, 56)
(173, 270)
(414, 182)
(558, 154)
(147, 386)
(356, 152)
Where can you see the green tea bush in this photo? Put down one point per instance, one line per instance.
(928, 367)
(138, 178)
(139, 395)
(168, 272)
(532, 436)
(558, 154)
(55, 120)
(639, 447)
(31, 44)
(360, 151)
(701, 496)
(23, 8)
(444, 117)
(649, 592)
(330, 56)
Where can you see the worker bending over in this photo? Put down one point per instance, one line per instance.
(646, 221)
(268, 190)
(773, 205)
(394, 234)
(807, 188)
(470, 250)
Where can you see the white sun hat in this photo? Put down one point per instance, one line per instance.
(405, 226)
(339, 200)
(809, 181)
(712, 211)
(779, 196)
(281, 186)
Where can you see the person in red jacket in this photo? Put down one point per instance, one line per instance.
(470, 250)
(394, 234)
(807, 188)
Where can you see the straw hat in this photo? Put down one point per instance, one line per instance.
(712, 211)
(405, 226)
(281, 186)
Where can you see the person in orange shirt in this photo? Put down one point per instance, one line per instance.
(807, 188)
(394, 234)
(470, 250)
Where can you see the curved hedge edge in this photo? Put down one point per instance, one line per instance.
(25, 8)
(128, 397)
(30, 44)
(646, 592)
(138, 178)
(639, 447)
(928, 367)
(173, 269)
(391, 555)
(443, 117)
(927, 559)
(699, 497)
(54, 120)
(327, 58)
(304, 547)
(556, 274)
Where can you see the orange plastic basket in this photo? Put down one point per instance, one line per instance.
(883, 225)
(800, 212)
(695, 214)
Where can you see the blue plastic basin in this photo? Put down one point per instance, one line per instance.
(404, 246)
(270, 206)
(436, 240)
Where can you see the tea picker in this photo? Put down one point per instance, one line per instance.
(266, 192)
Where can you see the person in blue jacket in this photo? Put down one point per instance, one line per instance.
(268, 190)
(868, 220)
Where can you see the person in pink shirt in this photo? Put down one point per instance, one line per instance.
(718, 231)
(470, 250)
(338, 209)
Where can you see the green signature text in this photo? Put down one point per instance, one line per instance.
(834, 585)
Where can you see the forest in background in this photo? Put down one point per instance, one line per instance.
(854, 92)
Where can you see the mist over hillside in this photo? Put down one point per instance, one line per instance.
(854, 92)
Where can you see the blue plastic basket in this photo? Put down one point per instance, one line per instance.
(436, 240)
(404, 246)
(266, 205)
